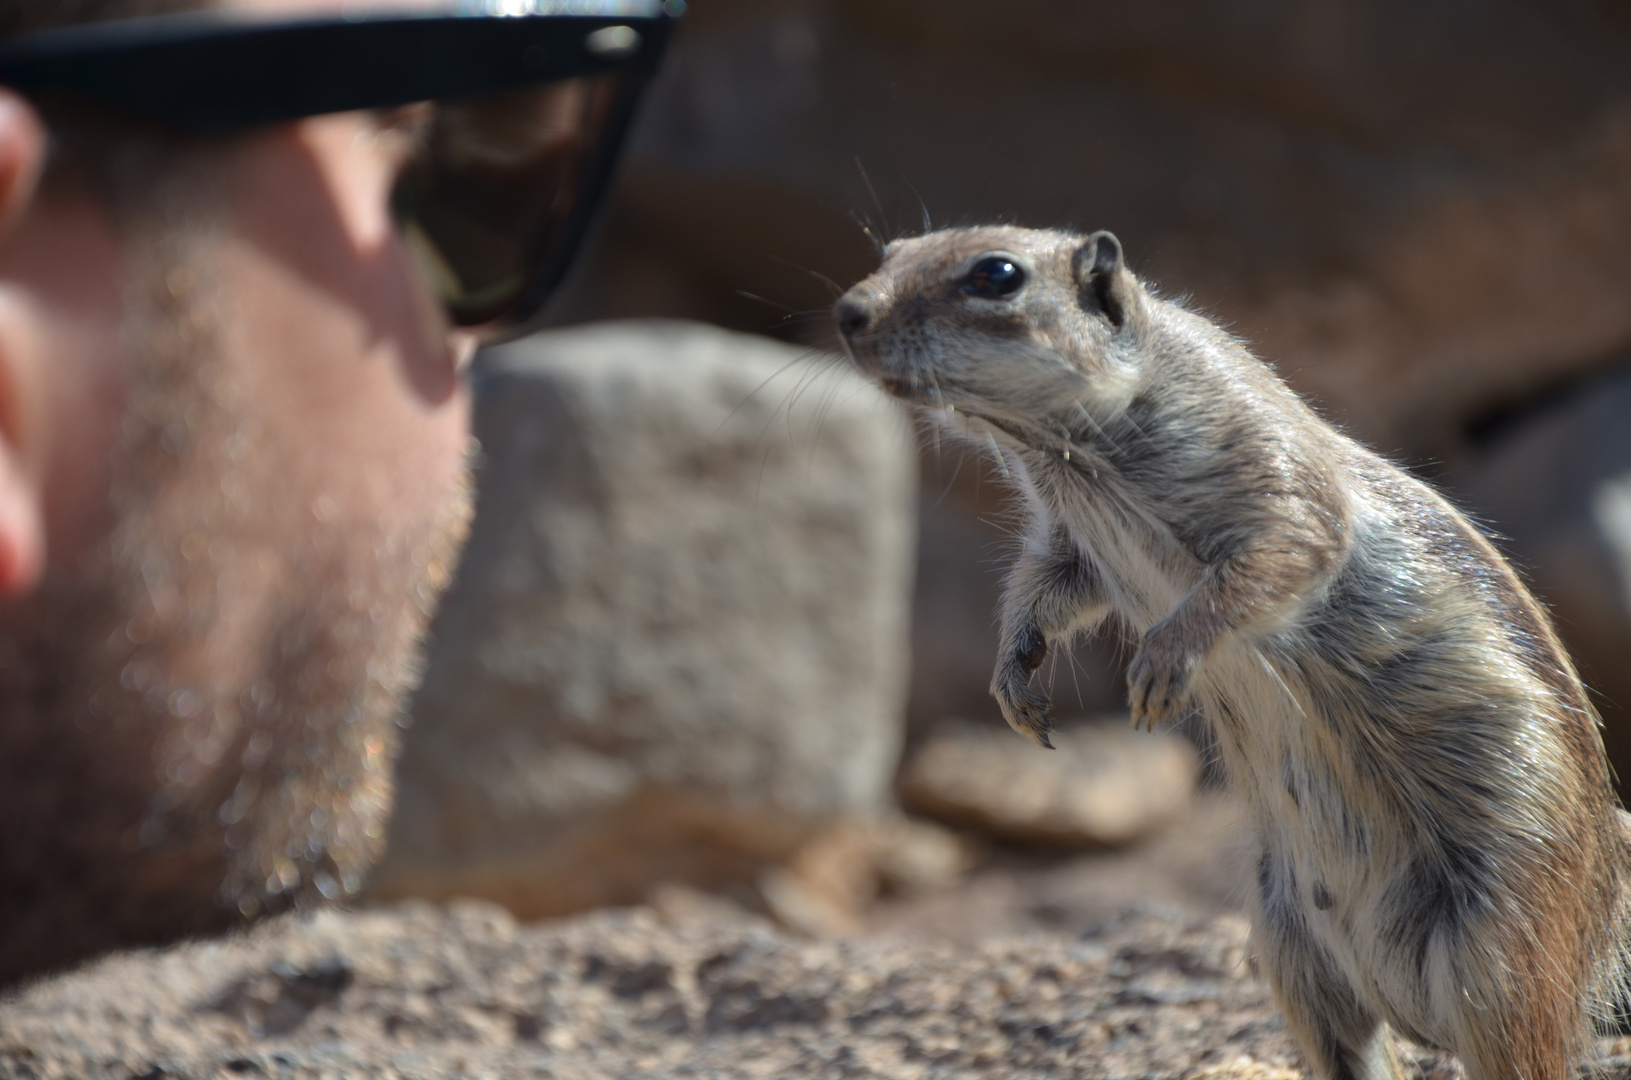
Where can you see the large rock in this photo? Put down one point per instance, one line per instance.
(677, 643)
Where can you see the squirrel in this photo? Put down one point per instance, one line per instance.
(1442, 852)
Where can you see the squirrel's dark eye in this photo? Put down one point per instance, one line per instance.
(993, 278)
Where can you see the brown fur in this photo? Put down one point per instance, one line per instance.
(1442, 853)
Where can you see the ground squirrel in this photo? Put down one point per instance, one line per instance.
(1441, 847)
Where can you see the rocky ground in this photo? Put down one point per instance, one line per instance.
(1124, 964)
(677, 989)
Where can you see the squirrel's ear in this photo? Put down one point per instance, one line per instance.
(1103, 283)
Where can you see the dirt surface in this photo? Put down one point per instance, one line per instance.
(680, 989)
(1126, 964)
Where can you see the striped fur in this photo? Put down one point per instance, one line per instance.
(1441, 847)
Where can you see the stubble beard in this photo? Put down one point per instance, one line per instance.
(149, 787)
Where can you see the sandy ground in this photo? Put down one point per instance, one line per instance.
(1097, 966)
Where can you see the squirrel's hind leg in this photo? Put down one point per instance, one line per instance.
(1339, 1036)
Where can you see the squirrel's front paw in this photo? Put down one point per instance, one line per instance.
(1025, 708)
(1158, 679)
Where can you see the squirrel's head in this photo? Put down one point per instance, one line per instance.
(1011, 325)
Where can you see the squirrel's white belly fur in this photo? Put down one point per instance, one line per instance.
(1309, 818)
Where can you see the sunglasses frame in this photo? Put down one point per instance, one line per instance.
(218, 73)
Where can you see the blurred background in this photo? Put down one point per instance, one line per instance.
(723, 615)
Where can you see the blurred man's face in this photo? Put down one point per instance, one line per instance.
(233, 432)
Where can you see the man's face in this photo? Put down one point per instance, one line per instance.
(246, 426)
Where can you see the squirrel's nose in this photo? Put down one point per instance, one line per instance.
(852, 317)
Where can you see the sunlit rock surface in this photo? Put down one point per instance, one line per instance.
(1103, 785)
(678, 640)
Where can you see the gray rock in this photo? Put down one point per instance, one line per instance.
(677, 643)
(1104, 785)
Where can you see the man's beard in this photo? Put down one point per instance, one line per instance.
(152, 785)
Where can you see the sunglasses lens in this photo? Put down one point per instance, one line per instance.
(498, 195)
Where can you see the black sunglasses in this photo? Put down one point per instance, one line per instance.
(527, 114)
